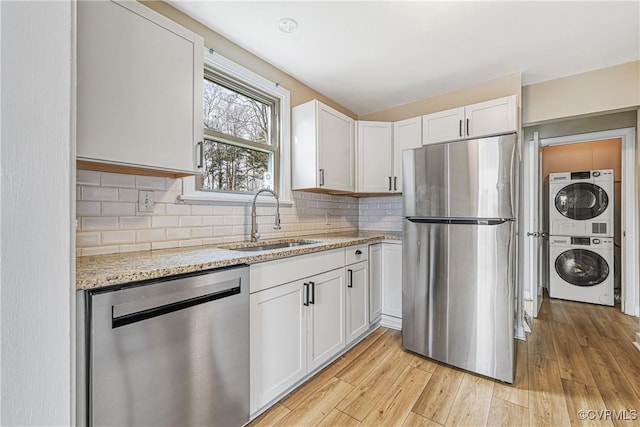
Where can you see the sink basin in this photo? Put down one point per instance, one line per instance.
(257, 247)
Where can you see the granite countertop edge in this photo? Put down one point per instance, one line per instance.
(93, 272)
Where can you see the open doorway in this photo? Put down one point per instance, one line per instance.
(570, 154)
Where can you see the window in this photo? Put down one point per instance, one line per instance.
(242, 149)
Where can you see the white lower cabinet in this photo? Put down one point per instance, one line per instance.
(385, 263)
(375, 282)
(278, 331)
(357, 278)
(326, 319)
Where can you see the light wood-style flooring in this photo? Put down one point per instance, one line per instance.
(578, 357)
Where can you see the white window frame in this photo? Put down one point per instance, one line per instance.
(190, 194)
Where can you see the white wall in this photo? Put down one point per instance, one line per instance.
(36, 264)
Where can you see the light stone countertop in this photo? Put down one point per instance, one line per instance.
(105, 270)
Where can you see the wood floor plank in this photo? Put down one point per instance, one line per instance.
(439, 394)
(603, 325)
(628, 358)
(585, 331)
(472, 403)
(415, 420)
(395, 405)
(507, 414)
(616, 392)
(541, 341)
(358, 369)
(557, 312)
(547, 406)
(300, 394)
(581, 397)
(338, 419)
(361, 401)
(317, 406)
(271, 417)
(518, 392)
(423, 363)
(571, 360)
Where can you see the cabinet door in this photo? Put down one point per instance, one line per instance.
(443, 126)
(491, 117)
(374, 157)
(326, 317)
(375, 282)
(278, 341)
(392, 280)
(336, 148)
(357, 300)
(139, 87)
(407, 134)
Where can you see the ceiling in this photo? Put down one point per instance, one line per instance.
(372, 55)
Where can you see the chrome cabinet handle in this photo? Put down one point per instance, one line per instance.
(200, 154)
(305, 301)
(468, 128)
(312, 299)
(321, 177)
(389, 183)
(395, 183)
(460, 127)
(350, 284)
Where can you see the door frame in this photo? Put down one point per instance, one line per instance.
(629, 215)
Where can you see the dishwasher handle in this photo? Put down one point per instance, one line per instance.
(127, 319)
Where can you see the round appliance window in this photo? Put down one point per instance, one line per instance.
(582, 268)
(581, 200)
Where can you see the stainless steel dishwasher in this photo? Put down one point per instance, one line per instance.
(172, 351)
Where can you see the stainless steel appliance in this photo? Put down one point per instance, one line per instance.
(458, 291)
(172, 351)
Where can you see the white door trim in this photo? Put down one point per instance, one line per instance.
(630, 228)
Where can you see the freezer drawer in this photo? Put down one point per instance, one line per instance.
(458, 295)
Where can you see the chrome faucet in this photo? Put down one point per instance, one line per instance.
(254, 223)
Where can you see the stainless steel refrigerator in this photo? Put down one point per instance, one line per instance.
(459, 225)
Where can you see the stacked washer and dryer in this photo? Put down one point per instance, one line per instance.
(581, 236)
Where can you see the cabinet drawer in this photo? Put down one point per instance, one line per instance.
(357, 253)
(268, 274)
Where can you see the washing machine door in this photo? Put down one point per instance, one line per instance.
(581, 200)
(581, 267)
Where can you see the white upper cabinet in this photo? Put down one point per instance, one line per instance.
(443, 126)
(323, 154)
(139, 97)
(491, 117)
(375, 165)
(407, 134)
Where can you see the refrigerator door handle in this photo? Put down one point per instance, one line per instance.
(459, 221)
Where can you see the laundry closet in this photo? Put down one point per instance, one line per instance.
(582, 205)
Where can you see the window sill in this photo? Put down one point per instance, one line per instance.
(232, 199)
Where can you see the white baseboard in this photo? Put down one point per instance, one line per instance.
(391, 322)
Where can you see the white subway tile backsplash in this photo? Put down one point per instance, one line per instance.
(178, 233)
(99, 223)
(87, 208)
(110, 221)
(117, 180)
(127, 195)
(118, 209)
(190, 221)
(84, 177)
(99, 193)
(165, 221)
(152, 235)
(135, 222)
(150, 182)
(178, 209)
(118, 237)
(87, 239)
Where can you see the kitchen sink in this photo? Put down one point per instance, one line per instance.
(264, 246)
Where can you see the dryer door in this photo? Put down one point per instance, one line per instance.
(581, 267)
(581, 200)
